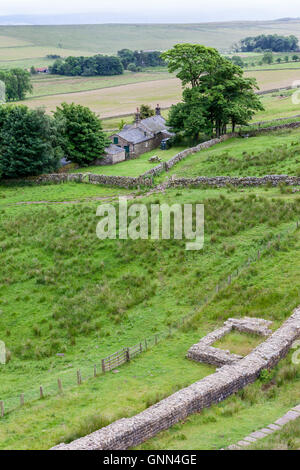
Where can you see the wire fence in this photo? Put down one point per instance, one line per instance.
(88, 369)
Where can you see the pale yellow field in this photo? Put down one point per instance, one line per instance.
(32, 52)
(275, 78)
(123, 99)
(117, 100)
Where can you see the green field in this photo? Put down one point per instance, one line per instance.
(54, 300)
(275, 153)
(110, 38)
(134, 167)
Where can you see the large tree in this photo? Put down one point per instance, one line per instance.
(191, 61)
(215, 91)
(83, 137)
(17, 83)
(29, 142)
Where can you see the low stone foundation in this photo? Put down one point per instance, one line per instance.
(130, 432)
(204, 352)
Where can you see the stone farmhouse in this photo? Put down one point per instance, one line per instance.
(142, 136)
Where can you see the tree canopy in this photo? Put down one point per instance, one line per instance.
(17, 83)
(29, 142)
(215, 92)
(140, 59)
(83, 138)
(271, 42)
(101, 65)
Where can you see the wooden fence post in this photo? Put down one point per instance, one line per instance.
(41, 392)
(229, 279)
(59, 385)
(141, 348)
(103, 366)
(217, 288)
(2, 408)
(78, 377)
(258, 254)
(127, 355)
(22, 399)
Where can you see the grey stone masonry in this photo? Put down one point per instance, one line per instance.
(256, 326)
(130, 432)
(223, 181)
(204, 352)
(120, 181)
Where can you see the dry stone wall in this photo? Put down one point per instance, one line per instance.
(166, 166)
(120, 181)
(221, 181)
(130, 432)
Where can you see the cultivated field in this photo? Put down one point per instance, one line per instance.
(111, 99)
(117, 100)
(111, 38)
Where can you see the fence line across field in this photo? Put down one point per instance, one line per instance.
(125, 354)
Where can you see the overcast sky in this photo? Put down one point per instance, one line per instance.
(158, 10)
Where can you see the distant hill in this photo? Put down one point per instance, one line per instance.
(109, 38)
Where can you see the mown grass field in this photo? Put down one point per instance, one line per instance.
(116, 100)
(134, 167)
(45, 84)
(64, 291)
(114, 96)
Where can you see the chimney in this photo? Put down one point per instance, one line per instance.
(157, 110)
(137, 116)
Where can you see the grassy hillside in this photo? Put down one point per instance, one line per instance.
(65, 292)
(110, 38)
(275, 153)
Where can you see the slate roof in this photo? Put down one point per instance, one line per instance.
(136, 133)
(154, 124)
(113, 149)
